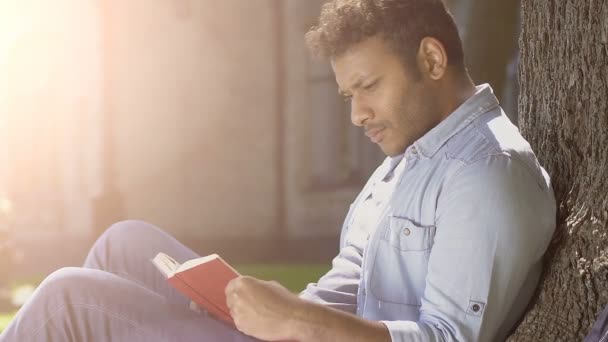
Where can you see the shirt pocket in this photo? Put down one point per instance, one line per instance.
(401, 261)
(405, 235)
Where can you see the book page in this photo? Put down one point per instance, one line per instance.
(199, 261)
(195, 262)
(166, 264)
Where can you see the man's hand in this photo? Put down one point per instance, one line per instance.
(262, 309)
(268, 311)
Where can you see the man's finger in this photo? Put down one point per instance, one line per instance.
(231, 299)
(231, 286)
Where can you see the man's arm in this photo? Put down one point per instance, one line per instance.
(338, 288)
(268, 311)
(494, 220)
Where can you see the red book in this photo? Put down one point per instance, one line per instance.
(203, 280)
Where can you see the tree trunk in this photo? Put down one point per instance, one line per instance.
(563, 109)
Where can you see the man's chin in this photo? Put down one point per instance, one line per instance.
(391, 151)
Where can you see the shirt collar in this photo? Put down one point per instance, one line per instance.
(388, 165)
(394, 161)
(481, 102)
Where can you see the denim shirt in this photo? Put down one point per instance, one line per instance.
(456, 253)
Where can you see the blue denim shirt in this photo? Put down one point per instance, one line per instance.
(456, 253)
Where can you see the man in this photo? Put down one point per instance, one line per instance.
(444, 243)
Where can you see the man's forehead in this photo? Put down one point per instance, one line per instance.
(351, 83)
(352, 70)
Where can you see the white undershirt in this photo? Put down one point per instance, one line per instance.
(366, 216)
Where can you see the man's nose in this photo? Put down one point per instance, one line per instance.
(359, 112)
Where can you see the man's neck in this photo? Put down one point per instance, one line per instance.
(461, 88)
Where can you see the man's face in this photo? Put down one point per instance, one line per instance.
(393, 105)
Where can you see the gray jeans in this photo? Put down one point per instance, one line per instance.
(118, 295)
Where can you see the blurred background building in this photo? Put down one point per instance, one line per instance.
(204, 117)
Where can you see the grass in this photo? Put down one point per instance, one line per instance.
(5, 319)
(293, 277)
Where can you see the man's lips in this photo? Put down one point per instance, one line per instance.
(375, 134)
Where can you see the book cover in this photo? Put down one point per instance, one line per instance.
(203, 280)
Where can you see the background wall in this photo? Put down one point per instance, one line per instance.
(207, 118)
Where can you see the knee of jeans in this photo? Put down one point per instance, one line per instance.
(63, 279)
(126, 232)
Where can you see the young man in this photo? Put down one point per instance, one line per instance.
(444, 243)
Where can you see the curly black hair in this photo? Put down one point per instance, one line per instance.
(402, 23)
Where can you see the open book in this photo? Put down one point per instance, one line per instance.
(203, 280)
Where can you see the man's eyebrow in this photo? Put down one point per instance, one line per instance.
(353, 87)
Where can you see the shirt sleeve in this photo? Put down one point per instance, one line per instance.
(338, 288)
(494, 221)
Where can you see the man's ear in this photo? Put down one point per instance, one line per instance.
(432, 58)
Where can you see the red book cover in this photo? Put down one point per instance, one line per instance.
(203, 280)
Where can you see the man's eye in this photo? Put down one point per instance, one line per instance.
(370, 86)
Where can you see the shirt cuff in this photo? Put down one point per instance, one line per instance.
(406, 331)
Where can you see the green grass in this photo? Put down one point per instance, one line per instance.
(293, 277)
(5, 319)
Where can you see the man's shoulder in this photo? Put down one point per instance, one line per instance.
(491, 134)
(493, 144)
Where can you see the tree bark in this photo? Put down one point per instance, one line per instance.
(563, 110)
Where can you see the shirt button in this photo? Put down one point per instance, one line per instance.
(406, 231)
(414, 150)
(475, 307)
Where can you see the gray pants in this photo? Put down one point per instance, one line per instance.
(118, 295)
